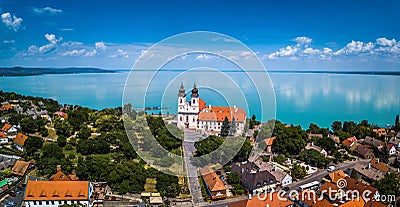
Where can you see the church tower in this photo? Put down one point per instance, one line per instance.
(188, 111)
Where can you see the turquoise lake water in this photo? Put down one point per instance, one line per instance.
(301, 98)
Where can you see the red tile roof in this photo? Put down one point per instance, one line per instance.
(269, 141)
(2, 135)
(337, 175)
(6, 127)
(57, 190)
(20, 139)
(349, 141)
(381, 166)
(202, 104)
(218, 113)
(212, 180)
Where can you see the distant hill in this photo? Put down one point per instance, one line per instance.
(20, 71)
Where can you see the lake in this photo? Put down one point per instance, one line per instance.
(301, 98)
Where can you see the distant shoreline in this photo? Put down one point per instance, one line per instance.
(21, 71)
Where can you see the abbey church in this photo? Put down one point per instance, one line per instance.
(196, 115)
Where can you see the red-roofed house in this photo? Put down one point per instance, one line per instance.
(56, 193)
(19, 141)
(350, 142)
(269, 142)
(392, 149)
(214, 185)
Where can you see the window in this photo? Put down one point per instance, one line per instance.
(40, 202)
(47, 202)
(34, 202)
(52, 202)
(194, 101)
(181, 100)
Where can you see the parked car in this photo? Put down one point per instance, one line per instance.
(285, 188)
(12, 193)
(10, 204)
(331, 168)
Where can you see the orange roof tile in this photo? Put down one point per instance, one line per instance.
(6, 127)
(360, 202)
(212, 180)
(337, 175)
(218, 113)
(381, 166)
(349, 141)
(56, 190)
(269, 141)
(202, 104)
(6, 107)
(20, 167)
(268, 199)
(20, 139)
(2, 135)
(308, 198)
(59, 176)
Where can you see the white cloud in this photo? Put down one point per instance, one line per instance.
(203, 57)
(356, 47)
(327, 50)
(303, 41)
(51, 45)
(385, 42)
(120, 53)
(100, 45)
(11, 21)
(91, 53)
(74, 52)
(67, 29)
(47, 10)
(9, 41)
(311, 51)
(283, 52)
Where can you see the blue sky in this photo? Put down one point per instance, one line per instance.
(287, 34)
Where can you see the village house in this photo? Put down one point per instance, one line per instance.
(269, 142)
(380, 132)
(395, 141)
(9, 130)
(310, 135)
(392, 149)
(20, 168)
(19, 141)
(282, 177)
(335, 138)
(61, 176)
(317, 148)
(373, 142)
(253, 179)
(7, 161)
(56, 193)
(215, 186)
(350, 142)
(364, 151)
(373, 171)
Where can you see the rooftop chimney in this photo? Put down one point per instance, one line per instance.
(369, 165)
(249, 196)
(274, 167)
(58, 168)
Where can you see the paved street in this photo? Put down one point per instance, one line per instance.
(17, 199)
(191, 171)
(321, 173)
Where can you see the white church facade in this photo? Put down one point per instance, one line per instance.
(195, 115)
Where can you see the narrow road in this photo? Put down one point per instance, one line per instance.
(318, 176)
(191, 171)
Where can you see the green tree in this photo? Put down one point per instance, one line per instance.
(279, 159)
(233, 178)
(225, 128)
(84, 132)
(389, 185)
(52, 150)
(397, 123)
(298, 172)
(32, 145)
(336, 126)
(61, 141)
